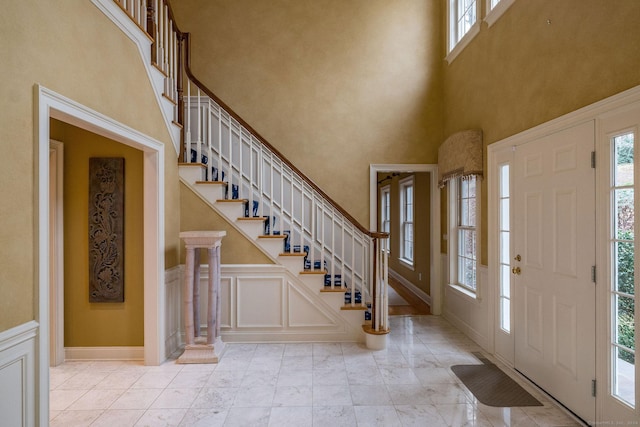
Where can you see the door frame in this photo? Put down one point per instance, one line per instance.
(589, 113)
(49, 104)
(56, 268)
(434, 226)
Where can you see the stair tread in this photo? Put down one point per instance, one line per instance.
(231, 200)
(313, 272)
(272, 236)
(302, 254)
(252, 218)
(353, 307)
(202, 165)
(211, 182)
(328, 289)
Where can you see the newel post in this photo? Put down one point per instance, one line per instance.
(376, 333)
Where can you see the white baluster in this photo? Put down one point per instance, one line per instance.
(282, 198)
(209, 143)
(230, 159)
(199, 131)
(187, 135)
(333, 249)
(271, 221)
(353, 264)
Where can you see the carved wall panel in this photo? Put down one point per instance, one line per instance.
(106, 229)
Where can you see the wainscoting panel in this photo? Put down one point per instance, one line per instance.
(173, 310)
(262, 303)
(467, 313)
(17, 375)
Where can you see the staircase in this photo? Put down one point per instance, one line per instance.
(327, 255)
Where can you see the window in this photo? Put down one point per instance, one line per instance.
(622, 292)
(463, 25)
(385, 209)
(495, 9)
(504, 248)
(406, 220)
(463, 207)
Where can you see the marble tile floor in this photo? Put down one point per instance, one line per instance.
(316, 384)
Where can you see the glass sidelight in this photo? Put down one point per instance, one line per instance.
(622, 293)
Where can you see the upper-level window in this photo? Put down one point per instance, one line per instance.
(495, 9)
(463, 25)
(406, 220)
(463, 219)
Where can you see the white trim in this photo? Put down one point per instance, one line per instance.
(18, 364)
(143, 43)
(419, 293)
(574, 118)
(403, 185)
(595, 112)
(434, 205)
(104, 353)
(49, 104)
(454, 51)
(464, 41)
(56, 349)
(493, 195)
(492, 15)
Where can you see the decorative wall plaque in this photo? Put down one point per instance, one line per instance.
(106, 229)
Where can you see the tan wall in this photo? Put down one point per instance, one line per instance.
(524, 71)
(334, 85)
(195, 214)
(420, 274)
(100, 324)
(72, 48)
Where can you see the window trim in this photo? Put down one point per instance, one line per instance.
(453, 50)
(453, 237)
(383, 217)
(493, 14)
(403, 184)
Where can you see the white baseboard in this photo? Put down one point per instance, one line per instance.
(104, 353)
(411, 287)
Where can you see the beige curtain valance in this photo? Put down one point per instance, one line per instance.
(460, 155)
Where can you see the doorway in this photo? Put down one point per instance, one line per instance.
(433, 203)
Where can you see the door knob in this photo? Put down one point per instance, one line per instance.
(518, 258)
(516, 270)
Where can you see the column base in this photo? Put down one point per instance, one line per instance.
(203, 353)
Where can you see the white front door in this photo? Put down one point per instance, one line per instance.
(553, 202)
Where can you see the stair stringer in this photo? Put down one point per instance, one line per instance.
(342, 326)
(143, 43)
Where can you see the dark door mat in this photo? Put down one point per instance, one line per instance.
(493, 387)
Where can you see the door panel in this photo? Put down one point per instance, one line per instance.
(554, 296)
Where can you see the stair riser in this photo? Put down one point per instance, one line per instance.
(253, 229)
(292, 263)
(232, 211)
(211, 192)
(191, 174)
(272, 246)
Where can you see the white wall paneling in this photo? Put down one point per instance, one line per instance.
(18, 375)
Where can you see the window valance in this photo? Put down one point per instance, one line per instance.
(460, 155)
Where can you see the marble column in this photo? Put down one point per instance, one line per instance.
(197, 348)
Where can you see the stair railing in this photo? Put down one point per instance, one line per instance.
(352, 257)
